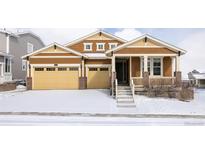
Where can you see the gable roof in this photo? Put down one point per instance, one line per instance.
(94, 33)
(58, 45)
(8, 32)
(169, 46)
(32, 34)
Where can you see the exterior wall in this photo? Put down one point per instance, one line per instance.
(143, 43)
(18, 48)
(167, 66)
(98, 61)
(144, 51)
(201, 83)
(55, 60)
(1, 59)
(135, 66)
(80, 46)
(2, 42)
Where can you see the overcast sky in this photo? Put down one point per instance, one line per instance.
(192, 40)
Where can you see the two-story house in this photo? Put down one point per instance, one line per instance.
(12, 47)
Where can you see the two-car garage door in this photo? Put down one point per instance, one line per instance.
(56, 78)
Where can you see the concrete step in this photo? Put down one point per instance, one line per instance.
(123, 88)
(124, 96)
(138, 89)
(124, 93)
(125, 104)
(125, 99)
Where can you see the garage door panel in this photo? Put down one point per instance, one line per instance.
(98, 79)
(56, 79)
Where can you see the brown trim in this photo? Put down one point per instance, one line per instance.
(144, 51)
(55, 61)
(55, 54)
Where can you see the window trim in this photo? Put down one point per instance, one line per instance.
(152, 66)
(91, 46)
(110, 44)
(32, 46)
(22, 63)
(97, 46)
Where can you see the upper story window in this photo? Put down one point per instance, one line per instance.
(29, 47)
(88, 46)
(100, 46)
(112, 45)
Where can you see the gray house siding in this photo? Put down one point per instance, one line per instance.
(18, 48)
(2, 42)
(1, 59)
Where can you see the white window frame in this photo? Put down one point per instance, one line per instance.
(29, 45)
(1, 69)
(152, 66)
(110, 45)
(9, 59)
(97, 44)
(90, 44)
(23, 65)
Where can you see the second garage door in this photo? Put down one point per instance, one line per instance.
(56, 78)
(98, 78)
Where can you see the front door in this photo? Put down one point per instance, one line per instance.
(122, 71)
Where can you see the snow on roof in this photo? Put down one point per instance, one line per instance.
(199, 75)
(96, 55)
(8, 32)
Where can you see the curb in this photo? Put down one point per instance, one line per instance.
(63, 114)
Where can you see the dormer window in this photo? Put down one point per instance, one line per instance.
(100, 46)
(112, 45)
(87, 46)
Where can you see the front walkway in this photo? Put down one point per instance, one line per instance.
(94, 101)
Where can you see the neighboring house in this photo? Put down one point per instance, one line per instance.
(12, 47)
(98, 59)
(24, 43)
(197, 79)
(5, 56)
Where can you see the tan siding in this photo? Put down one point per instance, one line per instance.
(142, 43)
(135, 66)
(100, 61)
(80, 46)
(167, 66)
(144, 51)
(55, 61)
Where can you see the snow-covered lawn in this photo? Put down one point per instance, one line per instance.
(94, 101)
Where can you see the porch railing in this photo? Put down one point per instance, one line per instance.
(155, 81)
(116, 89)
(132, 85)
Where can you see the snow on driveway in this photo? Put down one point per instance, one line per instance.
(94, 101)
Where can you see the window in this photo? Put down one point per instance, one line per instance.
(39, 69)
(103, 69)
(62, 69)
(7, 65)
(100, 46)
(93, 69)
(50, 69)
(73, 68)
(156, 66)
(87, 46)
(112, 45)
(23, 66)
(29, 47)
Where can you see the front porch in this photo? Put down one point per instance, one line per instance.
(146, 70)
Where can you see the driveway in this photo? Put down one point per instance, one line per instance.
(94, 101)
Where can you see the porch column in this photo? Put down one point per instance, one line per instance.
(130, 68)
(178, 72)
(146, 73)
(113, 75)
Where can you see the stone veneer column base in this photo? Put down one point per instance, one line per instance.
(82, 82)
(29, 83)
(146, 79)
(178, 79)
